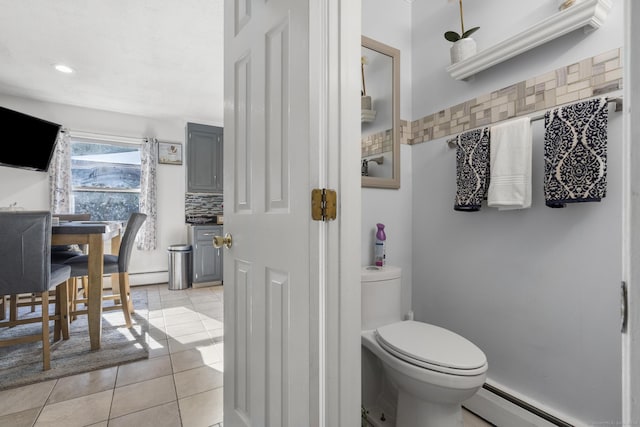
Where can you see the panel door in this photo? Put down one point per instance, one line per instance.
(267, 211)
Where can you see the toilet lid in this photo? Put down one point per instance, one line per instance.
(432, 347)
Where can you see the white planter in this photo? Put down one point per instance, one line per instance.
(463, 49)
(366, 103)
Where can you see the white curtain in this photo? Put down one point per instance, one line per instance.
(147, 236)
(60, 175)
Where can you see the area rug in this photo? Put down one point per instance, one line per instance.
(22, 364)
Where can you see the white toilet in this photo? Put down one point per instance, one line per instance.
(429, 370)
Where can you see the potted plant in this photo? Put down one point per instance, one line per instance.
(366, 104)
(463, 45)
(365, 99)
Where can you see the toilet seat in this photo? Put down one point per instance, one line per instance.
(414, 342)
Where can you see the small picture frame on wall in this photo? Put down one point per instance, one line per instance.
(170, 153)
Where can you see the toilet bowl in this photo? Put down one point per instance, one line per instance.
(432, 369)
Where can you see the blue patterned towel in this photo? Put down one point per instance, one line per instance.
(575, 153)
(472, 169)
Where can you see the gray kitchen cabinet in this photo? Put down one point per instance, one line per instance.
(204, 158)
(207, 260)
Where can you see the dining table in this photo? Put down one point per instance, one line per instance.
(94, 234)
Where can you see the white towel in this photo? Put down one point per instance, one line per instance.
(510, 165)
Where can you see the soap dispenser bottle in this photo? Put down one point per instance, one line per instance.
(379, 252)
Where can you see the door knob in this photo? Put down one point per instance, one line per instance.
(219, 241)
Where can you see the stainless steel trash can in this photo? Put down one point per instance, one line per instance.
(180, 267)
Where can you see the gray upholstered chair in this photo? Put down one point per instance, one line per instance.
(114, 264)
(25, 268)
(61, 253)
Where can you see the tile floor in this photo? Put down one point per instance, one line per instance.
(472, 420)
(179, 385)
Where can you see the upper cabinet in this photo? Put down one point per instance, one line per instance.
(204, 158)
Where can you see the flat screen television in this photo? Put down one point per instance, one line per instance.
(28, 142)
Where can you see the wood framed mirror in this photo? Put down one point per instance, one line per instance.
(380, 103)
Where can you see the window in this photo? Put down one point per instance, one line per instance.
(105, 178)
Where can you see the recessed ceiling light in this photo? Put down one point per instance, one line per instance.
(63, 68)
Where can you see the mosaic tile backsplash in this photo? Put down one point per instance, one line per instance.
(202, 207)
(376, 143)
(590, 77)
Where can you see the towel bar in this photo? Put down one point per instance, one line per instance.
(540, 116)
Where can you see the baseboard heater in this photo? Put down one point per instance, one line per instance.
(526, 406)
(148, 278)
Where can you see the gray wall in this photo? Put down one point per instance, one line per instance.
(393, 209)
(537, 289)
(389, 22)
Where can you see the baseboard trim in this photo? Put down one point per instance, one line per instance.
(206, 284)
(503, 407)
(141, 279)
(155, 278)
(151, 278)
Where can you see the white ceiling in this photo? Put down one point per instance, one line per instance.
(154, 58)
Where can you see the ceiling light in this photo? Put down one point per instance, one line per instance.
(63, 68)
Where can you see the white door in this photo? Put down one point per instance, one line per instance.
(266, 271)
(266, 178)
(291, 285)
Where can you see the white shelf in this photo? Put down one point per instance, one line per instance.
(368, 115)
(587, 13)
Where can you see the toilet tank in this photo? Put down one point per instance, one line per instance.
(381, 289)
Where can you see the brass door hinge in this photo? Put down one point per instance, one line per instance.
(323, 204)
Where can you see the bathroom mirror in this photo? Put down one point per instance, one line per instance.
(380, 104)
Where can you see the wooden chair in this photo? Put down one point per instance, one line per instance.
(114, 265)
(25, 268)
(61, 253)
